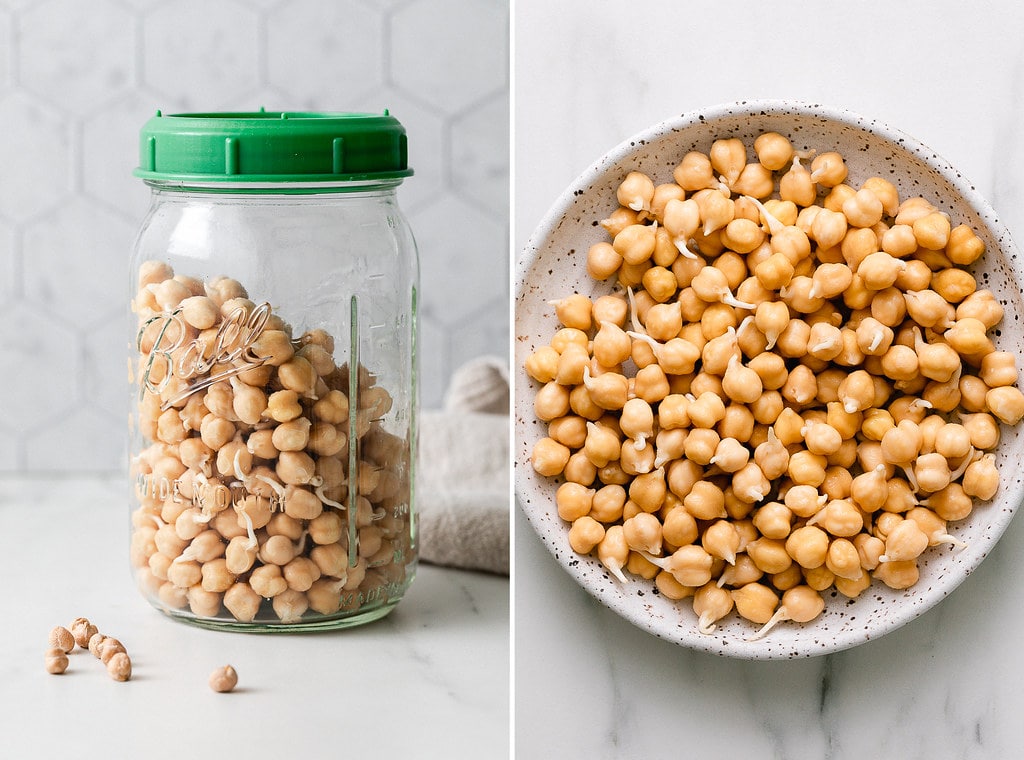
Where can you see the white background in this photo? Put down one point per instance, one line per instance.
(589, 74)
(78, 80)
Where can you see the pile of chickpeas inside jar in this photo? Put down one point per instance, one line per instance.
(253, 503)
(791, 391)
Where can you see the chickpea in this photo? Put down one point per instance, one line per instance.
(61, 638)
(107, 648)
(900, 363)
(936, 361)
(767, 408)
(636, 191)
(863, 208)
(1006, 403)
(95, 642)
(549, 457)
(843, 559)
(283, 406)
(291, 436)
(635, 243)
(694, 172)
(801, 386)
(690, 565)
(898, 574)
(612, 345)
(603, 261)
(260, 443)
(223, 679)
(119, 667)
(643, 533)
(773, 520)
(664, 193)
(808, 546)
(771, 368)
(773, 150)
(887, 305)
(755, 602)
(792, 341)
(755, 181)
(721, 540)
(932, 231)
(267, 581)
(915, 276)
(664, 321)
(840, 517)
(797, 186)
(742, 235)
(711, 285)
(929, 309)
(740, 383)
(607, 391)
(705, 501)
(954, 284)
(275, 346)
(775, 272)
(999, 368)
(806, 468)
(983, 306)
(82, 630)
(749, 483)
(570, 430)
(951, 503)
(613, 551)
(981, 478)
(730, 455)
(56, 661)
(800, 604)
(570, 366)
(573, 501)
(611, 308)
(983, 430)
(933, 526)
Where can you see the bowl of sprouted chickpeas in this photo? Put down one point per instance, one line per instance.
(767, 402)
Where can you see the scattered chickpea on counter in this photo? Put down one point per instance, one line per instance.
(56, 661)
(223, 679)
(83, 633)
(792, 389)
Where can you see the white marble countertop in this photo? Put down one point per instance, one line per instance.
(431, 680)
(587, 683)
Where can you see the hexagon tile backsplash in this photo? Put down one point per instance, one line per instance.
(78, 80)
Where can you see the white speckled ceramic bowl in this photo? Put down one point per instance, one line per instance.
(554, 264)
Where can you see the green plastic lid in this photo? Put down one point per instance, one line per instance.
(267, 147)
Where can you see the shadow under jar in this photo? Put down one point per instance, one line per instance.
(273, 371)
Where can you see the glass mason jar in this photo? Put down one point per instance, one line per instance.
(273, 371)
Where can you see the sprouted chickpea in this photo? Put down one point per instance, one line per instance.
(794, 389)
(711, 603)
(801, 604)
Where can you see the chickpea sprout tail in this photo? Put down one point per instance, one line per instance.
(792, 391)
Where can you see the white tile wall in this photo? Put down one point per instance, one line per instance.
(77, 80)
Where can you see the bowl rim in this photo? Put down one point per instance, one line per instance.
(560, 208)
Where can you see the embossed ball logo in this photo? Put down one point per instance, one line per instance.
(230, 352)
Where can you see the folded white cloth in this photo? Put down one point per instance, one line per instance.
(463, 478)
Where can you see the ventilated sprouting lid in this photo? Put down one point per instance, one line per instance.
(265, 146)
